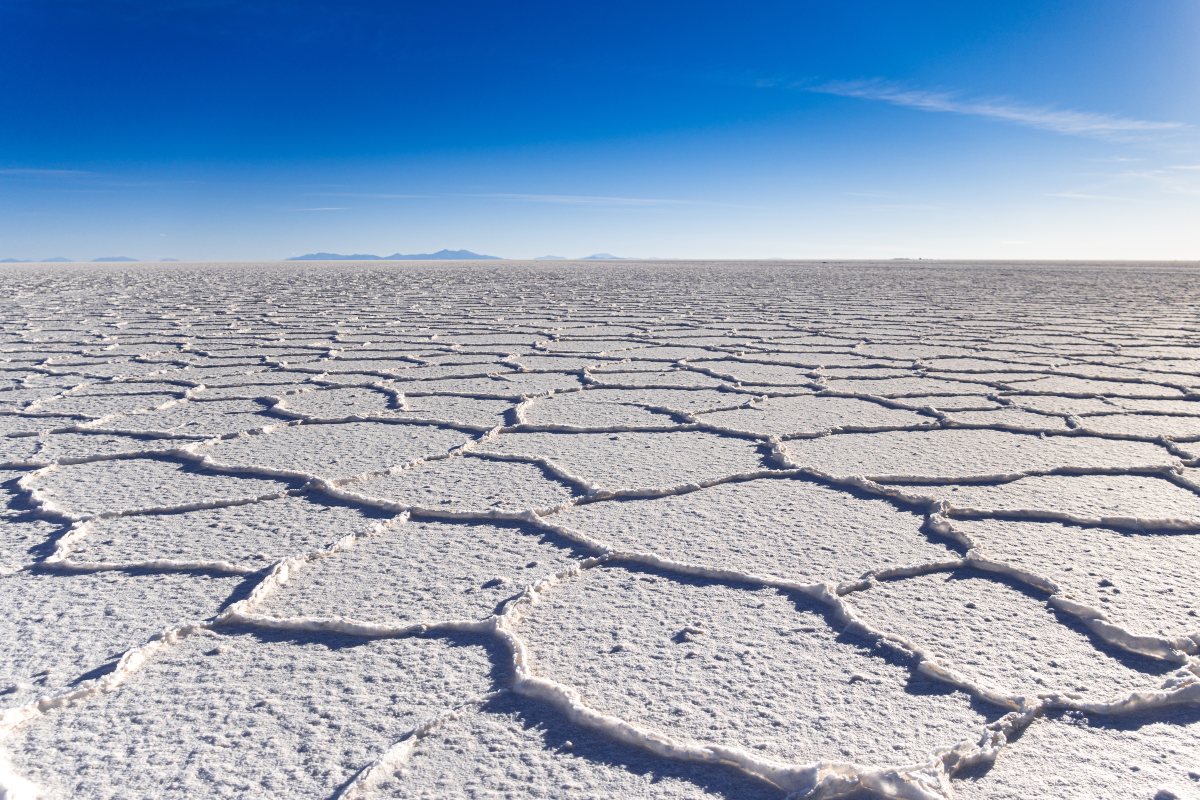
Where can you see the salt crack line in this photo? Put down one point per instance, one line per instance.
(396, 757)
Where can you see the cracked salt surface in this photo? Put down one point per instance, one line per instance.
(463, 485)
(58, 627)
(634, 460)
(788, 530)
(737, 667)
(334, 451)
(1144, 582)
(943, 455)
(1077, 757)
(1131, 501)
(615, 530)
(953, 617)
(439, 571)
(249, 714)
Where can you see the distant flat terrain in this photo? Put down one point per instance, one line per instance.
(627, 530)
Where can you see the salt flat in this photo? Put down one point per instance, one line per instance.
(600, 530)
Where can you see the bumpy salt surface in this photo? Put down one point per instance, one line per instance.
(1130, 500)
(68, 447)
(1148, 425)
(340, 403)
(1009, 419)
(249, 714)
(464, 485)
(199, 418)
(519, 750)
(954, 618)
(437, 571)
(738, 667)
(607, 530)
(241, 537)
(104, 487)
(1074, 757)
(339, 451)
(635, 460)
(789, 530)
(795, 416)
(946, 454)
(1146, 583)
(580, 410)
(55, 628)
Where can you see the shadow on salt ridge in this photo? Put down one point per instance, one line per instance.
(26, 536)
(515, 747)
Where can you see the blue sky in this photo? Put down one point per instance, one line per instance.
(236, 129)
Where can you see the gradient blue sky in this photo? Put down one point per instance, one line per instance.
(236, 129)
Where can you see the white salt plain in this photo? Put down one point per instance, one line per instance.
(600, 530)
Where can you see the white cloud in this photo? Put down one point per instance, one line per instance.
(1049, 118)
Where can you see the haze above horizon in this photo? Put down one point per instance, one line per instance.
(219, 130)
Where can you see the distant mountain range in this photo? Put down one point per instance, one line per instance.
(440, 255)
(55, 260)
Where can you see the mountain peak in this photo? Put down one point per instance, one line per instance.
(440, 255)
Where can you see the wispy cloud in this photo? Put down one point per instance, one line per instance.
(1172, 180)
(1088, 196)
(524, 197)
(28, 172)
(1049, 118)
(374, 195)
(581, 199)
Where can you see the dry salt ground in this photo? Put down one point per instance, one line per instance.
(607, 530)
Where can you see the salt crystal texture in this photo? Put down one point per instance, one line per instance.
(669, 530)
